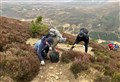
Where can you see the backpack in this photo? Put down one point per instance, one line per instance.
(54, 56)
(84, 30)
(52, 32)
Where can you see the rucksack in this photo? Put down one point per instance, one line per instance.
(54, 56)
(84, 30)
(55, 33)
(52, 32)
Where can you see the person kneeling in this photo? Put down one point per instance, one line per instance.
(42, 47)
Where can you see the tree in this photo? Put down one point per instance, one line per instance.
(38, 20)
(37, 27)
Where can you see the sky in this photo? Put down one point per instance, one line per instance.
(58, 0)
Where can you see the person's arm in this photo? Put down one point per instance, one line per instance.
(76, 42)
(54, 45)
(39, 53)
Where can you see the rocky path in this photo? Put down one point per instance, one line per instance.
(58, 72)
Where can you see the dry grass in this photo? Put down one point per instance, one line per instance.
(70, 38)
(18, 61)
(78, 67)
(68, 56)
(80, 61)
(106, 61)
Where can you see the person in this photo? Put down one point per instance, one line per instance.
(116, 46)
(57, 37)
(111, 45)
(82, 36)
(42, 47)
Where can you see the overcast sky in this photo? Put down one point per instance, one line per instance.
(57, 0)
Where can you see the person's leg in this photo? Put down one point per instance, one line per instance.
(47, 49)
(86, 47)
(86, 40)
(39, 51)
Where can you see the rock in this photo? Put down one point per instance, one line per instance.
(60, 73)
(56, 65)
(52, 75)
(56, 77)
(40, 68)
(41, 76)
(51, 81)
(57, 73)
(51, 68)
(67, 81)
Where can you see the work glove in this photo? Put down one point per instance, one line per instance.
(50, 48)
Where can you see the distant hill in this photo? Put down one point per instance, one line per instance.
(97, 17)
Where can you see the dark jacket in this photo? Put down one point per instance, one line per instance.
(83, 36)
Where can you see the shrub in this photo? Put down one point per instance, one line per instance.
(37, 27)
(80, 61)
(70, 38)
(102, 79)
(78, 67)
(116, 77)
(19, 63)
(98, 67)
(1, 47)
(70, 55)
(6, 79)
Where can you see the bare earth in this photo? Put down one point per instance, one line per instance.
(59, 72)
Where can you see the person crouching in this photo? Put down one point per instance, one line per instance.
(42, 47)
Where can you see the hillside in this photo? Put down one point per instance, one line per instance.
(61, 13)
(19, 62)
(101, 19)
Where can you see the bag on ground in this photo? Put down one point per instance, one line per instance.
(54, 56)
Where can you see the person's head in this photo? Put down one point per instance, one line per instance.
(81, 34)
(84, 30)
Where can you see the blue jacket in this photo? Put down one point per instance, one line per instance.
(41, 45)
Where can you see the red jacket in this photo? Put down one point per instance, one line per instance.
(111, 46)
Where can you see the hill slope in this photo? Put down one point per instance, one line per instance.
(18, 61)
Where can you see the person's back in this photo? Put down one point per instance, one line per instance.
(36, 46)
(42, 47)
(82, 36)
(57, 36)
(84, 30)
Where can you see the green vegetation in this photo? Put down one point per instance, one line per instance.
(37, 27)
(104, 36)
(116, 77)
(109, 22)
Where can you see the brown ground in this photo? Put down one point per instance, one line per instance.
(59, 72)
